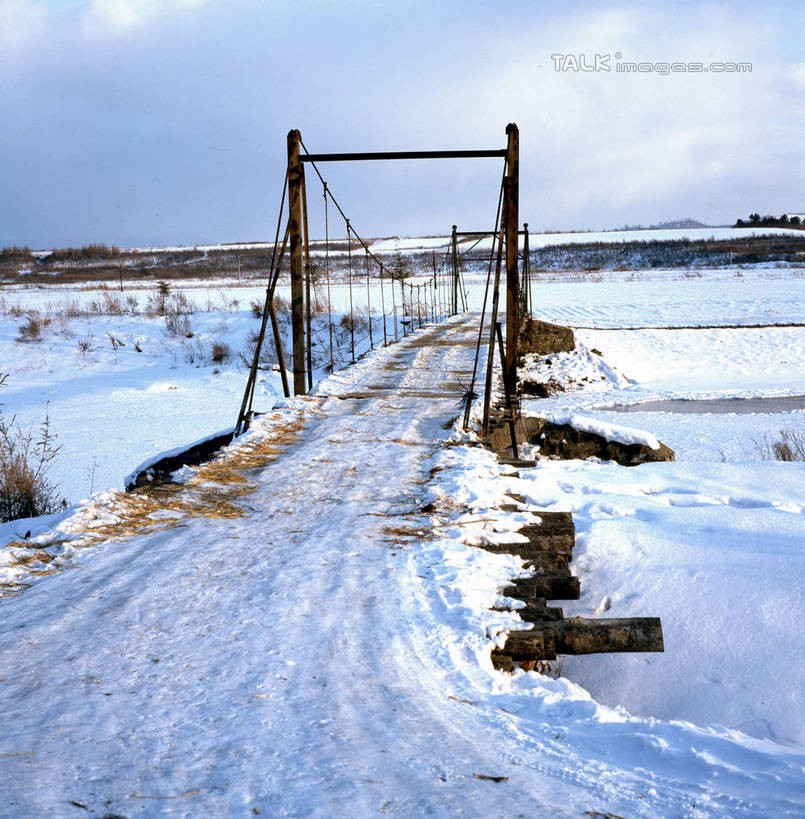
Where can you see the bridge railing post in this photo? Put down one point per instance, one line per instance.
(295, 182)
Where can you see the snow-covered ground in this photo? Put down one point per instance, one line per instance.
(537, 240)
(325, 647)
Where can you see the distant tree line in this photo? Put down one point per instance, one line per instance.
(80, 254)
(756, 220)
(72, 254)
(15, 254)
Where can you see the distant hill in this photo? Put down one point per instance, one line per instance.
(671, 225)
(681, 223)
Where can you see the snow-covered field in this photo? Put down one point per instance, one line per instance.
(650, 235)
(412, 243)
(327, 649)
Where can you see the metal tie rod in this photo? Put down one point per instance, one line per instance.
(359, 157)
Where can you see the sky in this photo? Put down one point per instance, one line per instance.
(139, 122)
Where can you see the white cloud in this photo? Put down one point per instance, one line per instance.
(21, 22)
(127, 13)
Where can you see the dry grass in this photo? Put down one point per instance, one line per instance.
(217, 490)
(789, 445)
(220, 352)
(31, 330)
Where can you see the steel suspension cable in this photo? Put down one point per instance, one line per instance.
(327, 273)
(349, 276)
(471, 390)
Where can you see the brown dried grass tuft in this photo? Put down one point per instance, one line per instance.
(215, 491)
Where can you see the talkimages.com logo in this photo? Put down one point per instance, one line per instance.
(608, 62)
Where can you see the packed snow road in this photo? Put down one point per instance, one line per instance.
(302, 659)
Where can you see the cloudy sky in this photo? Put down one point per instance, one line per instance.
(164, 121)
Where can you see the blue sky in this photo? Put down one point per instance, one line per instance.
(161, 121)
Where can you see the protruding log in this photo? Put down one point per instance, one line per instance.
(552, 586)
(533, 555)
(549, 525)
(558, 542)
(540, 614)
(580, 636)
(546, 561)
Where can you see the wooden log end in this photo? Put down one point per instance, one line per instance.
(552, 586)
(525, 646)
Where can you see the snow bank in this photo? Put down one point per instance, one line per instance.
(610, 432)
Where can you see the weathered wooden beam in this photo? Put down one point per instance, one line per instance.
(550, 585)
(512, 215)
(579, 636)
(560, 543)
(540, 613)
(549, 526)
(297, 269)
(523, 646)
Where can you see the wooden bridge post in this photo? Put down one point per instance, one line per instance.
(511, 213)
(295, 181)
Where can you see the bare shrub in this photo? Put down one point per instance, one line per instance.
(194, 352)
(8, 309)
(221, 352)
(25, 459)
(111, 304)
(179, 303)
(157, 302)
(72, 309)
(789, 446)
(85, 343)
(31, 330)
(116, 342)
(178, 324)
(321, 304)
(257, 309)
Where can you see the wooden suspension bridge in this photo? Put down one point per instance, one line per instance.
(549, 545)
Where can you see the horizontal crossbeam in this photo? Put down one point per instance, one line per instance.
(484, 232)
(360, 157)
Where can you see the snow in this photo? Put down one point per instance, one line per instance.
(172, 453)
(409, 243)
(610, 432)
(315, 643)
(537, 240)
